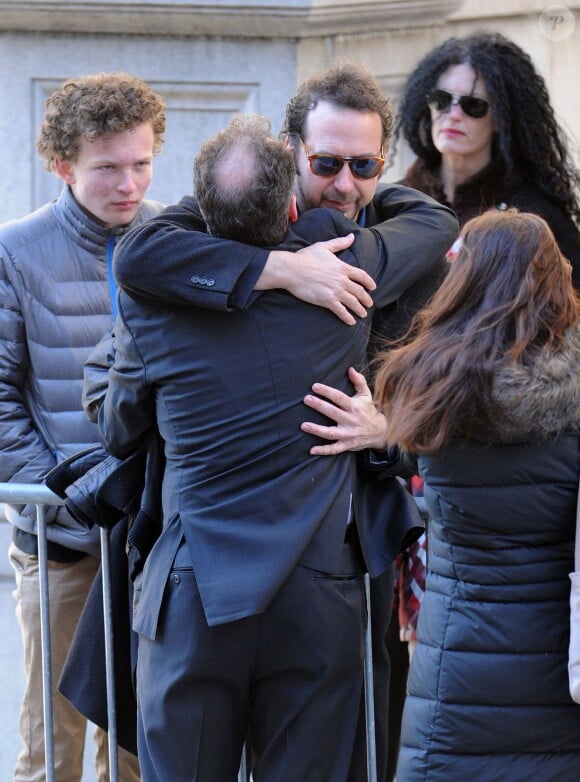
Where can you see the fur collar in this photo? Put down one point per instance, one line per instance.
(542, 399)
(486, 189)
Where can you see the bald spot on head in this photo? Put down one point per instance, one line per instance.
(236, 168)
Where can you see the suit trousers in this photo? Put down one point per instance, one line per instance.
(291, 678)
(68, 584)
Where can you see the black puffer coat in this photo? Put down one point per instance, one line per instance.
(488, 690)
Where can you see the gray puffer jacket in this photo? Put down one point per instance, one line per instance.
(56, 288)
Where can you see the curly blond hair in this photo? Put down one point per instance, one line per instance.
(89, 107)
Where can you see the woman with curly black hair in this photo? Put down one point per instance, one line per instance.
(478, 116)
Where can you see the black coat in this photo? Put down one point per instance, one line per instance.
(87, 499)
(227, 400)
(488, 189)
(125, 497)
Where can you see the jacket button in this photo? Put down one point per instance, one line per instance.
(197, 280)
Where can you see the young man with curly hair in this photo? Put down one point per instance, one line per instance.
(99, 135)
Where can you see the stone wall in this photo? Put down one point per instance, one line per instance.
(210, 60)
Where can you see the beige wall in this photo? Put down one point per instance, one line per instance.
(552, 38)
(210, 60)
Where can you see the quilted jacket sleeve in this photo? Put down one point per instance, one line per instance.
(24, 456)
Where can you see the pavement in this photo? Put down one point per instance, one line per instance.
(11, 672)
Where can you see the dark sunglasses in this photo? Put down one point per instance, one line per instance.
(325, 165)
(441, 100)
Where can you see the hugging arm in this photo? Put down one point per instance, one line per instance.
(171, 257)
(415, 232)
(409, 244)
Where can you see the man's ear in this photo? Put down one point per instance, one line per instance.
(64, 170)
(293, 210)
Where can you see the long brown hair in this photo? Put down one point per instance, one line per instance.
(507, 296)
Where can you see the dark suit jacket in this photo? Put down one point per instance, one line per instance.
(226, 392)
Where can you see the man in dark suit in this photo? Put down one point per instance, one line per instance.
(251, 609)
(337, 114)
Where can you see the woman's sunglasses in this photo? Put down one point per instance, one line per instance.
(441, 100)
(325, 165)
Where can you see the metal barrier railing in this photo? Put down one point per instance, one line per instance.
(40, 495)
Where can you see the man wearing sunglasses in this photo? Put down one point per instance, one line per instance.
(339, 124)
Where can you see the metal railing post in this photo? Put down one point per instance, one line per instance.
(109, 656)
(45, 643)
(243, 772)
(369, 691)
(40, 495)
